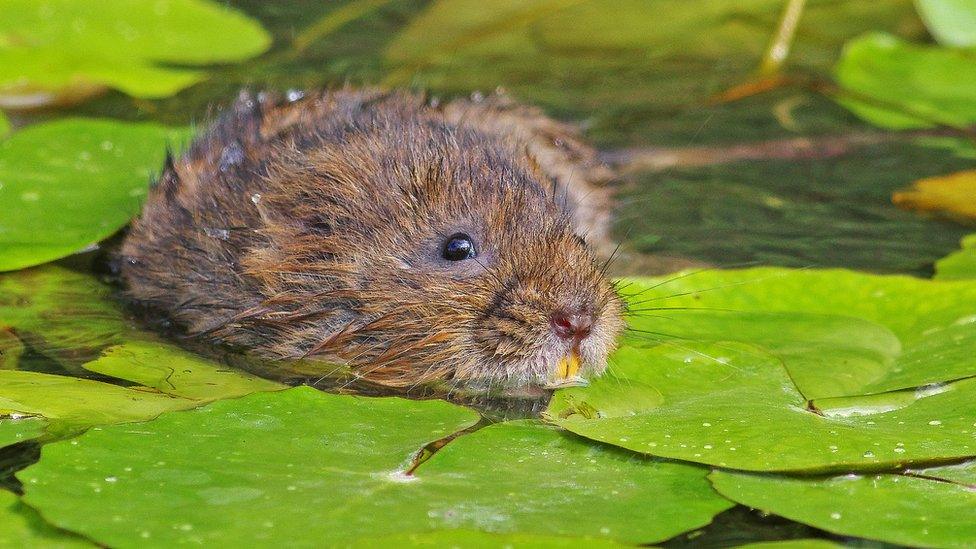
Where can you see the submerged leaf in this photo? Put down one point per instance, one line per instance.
(63, 50)
(71, 183)
(959, 265)
(62, 314)
(894, 84)
(953, 194)
(236, 471)
(4, 125)
(892, 508)
(952, 22)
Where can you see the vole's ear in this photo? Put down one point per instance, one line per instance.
(168, 182)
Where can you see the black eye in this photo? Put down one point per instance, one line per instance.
(459, 247)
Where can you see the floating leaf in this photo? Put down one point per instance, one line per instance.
(961, 473)
(470, 539)
(20, 526)
(952, 22)
(63, 50)
(839, 333)
(958, 265)
(898, 85)
(896, 509)
(742, 411)
(793, 544)
(236, 471)
(68, 184)
(81, 402)
(176, 372)
(17, 430)
(953, 194)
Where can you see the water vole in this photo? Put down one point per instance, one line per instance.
(411, 241)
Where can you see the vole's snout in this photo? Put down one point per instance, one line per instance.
(571, 324)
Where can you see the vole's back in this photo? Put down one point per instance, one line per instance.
(235, 232)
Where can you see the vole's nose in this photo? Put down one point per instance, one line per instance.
(571, 324)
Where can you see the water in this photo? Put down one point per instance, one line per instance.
(698, 199)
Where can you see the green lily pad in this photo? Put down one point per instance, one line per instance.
(892, 508)
(839, 333)
(958, 265)
(21, 526)
(81, 402)
(70, 183)
(236, 471)
(14, 430)
(52, 50)
(895, 84)
(175, 372)
(793, 544)
(960, 473)
(471, 539)
(952, 22)
(72, 318)
(741, 410)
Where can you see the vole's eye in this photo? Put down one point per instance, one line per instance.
(459, 247)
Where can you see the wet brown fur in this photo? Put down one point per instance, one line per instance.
(314, 227)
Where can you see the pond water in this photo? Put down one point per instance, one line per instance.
(786, 177)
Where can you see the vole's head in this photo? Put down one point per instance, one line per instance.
(418, 250)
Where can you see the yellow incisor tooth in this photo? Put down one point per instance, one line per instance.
(568, 366)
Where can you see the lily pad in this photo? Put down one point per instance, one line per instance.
(734, 405)
(895, 84)
(175, 372)
(70, 183)
(893, 508)
(793, 544)
(961, 473)
(236, 471)
(952, 22)
(81, 402)
(959, 265)
(14, 430)
(471, 539)
(21, 526)
(839, 333)
(952, 194)
(62, 50)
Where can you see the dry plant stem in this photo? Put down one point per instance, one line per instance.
(779, 48)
